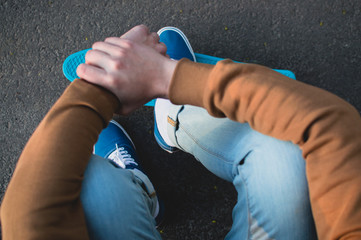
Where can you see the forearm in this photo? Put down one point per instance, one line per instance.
(43, 198)
(327, 129)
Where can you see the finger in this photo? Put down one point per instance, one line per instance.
(152, 41)
(154, 38)
(138, 34)
(161, 48)
(91, 74)
(99, 59)
(120, 42)
(109, 47)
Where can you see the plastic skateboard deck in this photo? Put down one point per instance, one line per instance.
(74, 60)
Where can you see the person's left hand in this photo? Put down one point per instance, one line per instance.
(141, 34)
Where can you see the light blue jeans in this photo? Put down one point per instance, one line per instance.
(268, 174)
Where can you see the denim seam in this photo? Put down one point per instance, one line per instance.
(202, 147)
(248, 206)
(149, 216)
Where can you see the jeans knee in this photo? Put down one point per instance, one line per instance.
(104, 186)
(115, 203)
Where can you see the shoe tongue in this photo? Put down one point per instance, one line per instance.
(119, 156)
(116, 160)
(123, 158)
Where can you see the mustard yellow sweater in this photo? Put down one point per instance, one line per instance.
(43, 198)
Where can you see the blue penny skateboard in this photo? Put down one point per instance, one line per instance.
(73, 61)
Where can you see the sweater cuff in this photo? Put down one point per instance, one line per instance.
(95, 97)
(188, 83)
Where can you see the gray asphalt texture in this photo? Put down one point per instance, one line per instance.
(320, 41)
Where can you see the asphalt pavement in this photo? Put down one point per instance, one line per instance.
(320, 41)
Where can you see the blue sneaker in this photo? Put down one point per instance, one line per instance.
(178, 47)
(115, 145)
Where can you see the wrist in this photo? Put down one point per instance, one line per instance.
(167, 74)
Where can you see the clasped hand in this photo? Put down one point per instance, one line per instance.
(134, 67)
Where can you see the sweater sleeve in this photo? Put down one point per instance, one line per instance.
(327, 129)
(42, 200)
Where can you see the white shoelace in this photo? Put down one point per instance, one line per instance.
(121, 157)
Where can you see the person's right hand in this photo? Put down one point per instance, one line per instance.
(133, 67)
